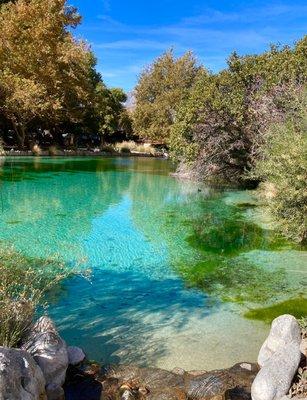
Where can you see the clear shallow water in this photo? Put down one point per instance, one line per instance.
(174, 268)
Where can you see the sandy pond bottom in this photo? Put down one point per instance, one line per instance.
(160, 250)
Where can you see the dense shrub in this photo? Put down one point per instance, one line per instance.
(284, 166)
(220, 125)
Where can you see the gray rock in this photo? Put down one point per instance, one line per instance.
(55, 392)
(75, 355)
(20, 377)
(48, 350)
(284, 330)
(275, 377)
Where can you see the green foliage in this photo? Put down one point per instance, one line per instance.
(23, 285)
(220, 125)
(48, 77)
(284, 166)
(109, 111)
(159, 92)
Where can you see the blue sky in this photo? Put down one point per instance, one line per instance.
(128, 35)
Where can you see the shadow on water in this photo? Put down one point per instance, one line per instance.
(122, 315)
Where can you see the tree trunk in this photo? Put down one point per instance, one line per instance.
(20, 131)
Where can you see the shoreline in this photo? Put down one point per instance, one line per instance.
(79, 153)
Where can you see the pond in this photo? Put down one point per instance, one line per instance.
(182, 274)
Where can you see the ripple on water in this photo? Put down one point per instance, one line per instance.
(174, 269)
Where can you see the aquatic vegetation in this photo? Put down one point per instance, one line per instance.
(294, 306)
(236, 280)
(223, 229)
(136, 228)
(222, 235)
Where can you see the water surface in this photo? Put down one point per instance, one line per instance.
(176, 268)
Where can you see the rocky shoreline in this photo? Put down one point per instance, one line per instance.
(44, 367)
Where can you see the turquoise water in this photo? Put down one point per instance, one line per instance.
(175, 266)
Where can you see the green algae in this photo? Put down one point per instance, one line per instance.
(223, 229)
(295, 306)
(236, 280)
(223, 236)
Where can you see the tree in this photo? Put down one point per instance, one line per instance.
(107, 114)
(220, 126)
(44, 72)
(160, 89)
(283, 165)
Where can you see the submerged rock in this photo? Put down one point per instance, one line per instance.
(284, 330)
(118, 382)
(49, 351)
(211, 384)
(275, 377)
(20, 377)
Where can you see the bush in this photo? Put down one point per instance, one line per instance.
(23, 285)
(284, 167)
(36, 150)
(53, 151)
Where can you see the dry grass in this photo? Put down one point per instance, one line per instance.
(23, 285)
(133, 147)
(36, 150)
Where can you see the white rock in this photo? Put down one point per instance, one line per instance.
(285, 329)
(20, 377)
(49, 351)
(275, 377)
(75, 355)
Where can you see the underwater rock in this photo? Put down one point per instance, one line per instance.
(284, 330)
(156, 378)
(209, 385)
(75, 355)
(275, 377)
(20, 377)
(131, 382)
(49, 351)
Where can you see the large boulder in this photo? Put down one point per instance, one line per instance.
(284, 330)
(75, 355)
(275, 377)
(49, 351)
(20, 377)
